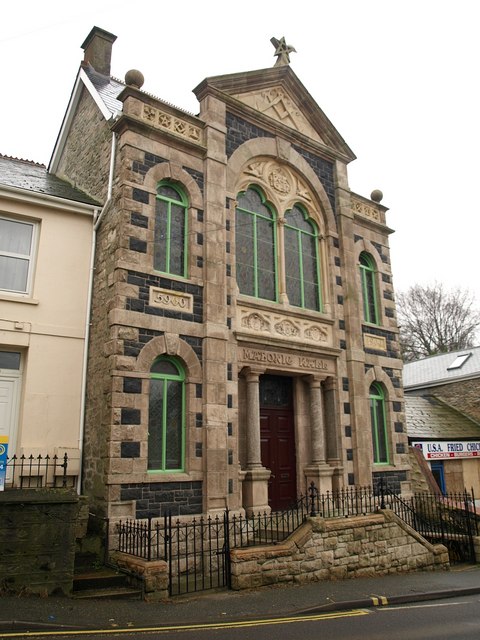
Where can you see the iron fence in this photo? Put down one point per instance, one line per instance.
(198, 551)
(33, 472)
(449, 519)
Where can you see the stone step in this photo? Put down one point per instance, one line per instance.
(112, 592)
(103, 583)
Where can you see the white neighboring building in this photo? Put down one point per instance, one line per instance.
(46, 230)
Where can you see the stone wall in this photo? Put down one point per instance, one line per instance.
(337, 549)
(37, 541)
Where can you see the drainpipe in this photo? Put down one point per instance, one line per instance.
(96, 223)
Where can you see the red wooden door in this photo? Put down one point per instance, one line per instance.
(277, 436)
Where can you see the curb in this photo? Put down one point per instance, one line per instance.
(384, 601)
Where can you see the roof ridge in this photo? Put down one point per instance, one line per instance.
(31, 162)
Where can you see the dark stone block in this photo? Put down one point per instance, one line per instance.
(140, 196)
(130, 450)
(130, 416)
(138, 220)
(138, 245)
(132, 385)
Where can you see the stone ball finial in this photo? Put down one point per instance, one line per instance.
(376, 195)
(134, 78)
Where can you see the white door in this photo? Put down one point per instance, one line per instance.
(9, 386)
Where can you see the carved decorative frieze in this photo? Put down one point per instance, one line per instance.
(283, 327)
(255, 322)
(173, 300)
(287, 328)
(317, 333)
(162, 120)
(287, 186)
(379, 343)
(365, 210)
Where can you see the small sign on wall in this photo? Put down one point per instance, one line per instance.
(440, 450)
(3, 461)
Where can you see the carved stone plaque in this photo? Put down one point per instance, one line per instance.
(379, 343)
(173, 300)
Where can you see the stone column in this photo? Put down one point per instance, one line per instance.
(318, 471)
(332, 435)
(316, 421)
(255, 483)
(254, 456)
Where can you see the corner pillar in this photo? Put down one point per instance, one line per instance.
(255, 483)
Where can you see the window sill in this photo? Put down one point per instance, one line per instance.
(12, 298)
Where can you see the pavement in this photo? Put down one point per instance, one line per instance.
(28, 613)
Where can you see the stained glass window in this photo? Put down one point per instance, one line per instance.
(379, 424)
(166, 418)
(170, 249)
(255, 242)
(302, 269)
(369, 294)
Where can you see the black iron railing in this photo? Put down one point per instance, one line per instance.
(198, 551)
(146, 538)
(449, 519)
(33, 472)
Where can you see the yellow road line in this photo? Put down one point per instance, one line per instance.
(193, 627)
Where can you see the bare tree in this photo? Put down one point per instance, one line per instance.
(435, 320)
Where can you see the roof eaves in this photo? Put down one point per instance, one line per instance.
(55, 202)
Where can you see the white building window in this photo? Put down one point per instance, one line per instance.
(16, 255)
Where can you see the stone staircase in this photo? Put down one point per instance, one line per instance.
(98, 581)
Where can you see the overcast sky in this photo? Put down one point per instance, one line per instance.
(398, 79)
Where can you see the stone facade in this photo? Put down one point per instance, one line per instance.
(237, 352)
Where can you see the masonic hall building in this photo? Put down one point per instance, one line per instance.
(243, 338)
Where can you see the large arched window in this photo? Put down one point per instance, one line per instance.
(166, 417)
(255, 246)
(379, 424)
(369, 290)
(302, 274)
(170, 249)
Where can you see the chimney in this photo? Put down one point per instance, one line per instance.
(98, 50)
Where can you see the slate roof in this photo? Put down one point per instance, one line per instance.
(434, 370)
(427, 417)
(32, 176)
(108, 88)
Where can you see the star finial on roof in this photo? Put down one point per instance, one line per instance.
(282, 51)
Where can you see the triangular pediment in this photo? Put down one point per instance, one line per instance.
(278, 94)
(277, 103)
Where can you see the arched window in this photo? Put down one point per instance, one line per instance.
(166, 417)
(369, 291)
(379, 424)
(170, 249)
(255, 246)
(302, 273)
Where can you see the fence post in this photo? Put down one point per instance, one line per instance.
(312, 491)
(228, 567)
(469, 527)
(382, 494)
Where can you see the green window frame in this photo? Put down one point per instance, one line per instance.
(171, 230)
(256, 245)
(302, 264)
(369, 289)
(379, 424)
(166, 416)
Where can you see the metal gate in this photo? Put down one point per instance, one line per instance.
(198, 554)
